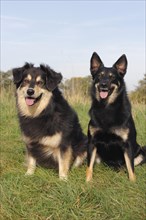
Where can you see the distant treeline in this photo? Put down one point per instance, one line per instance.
(6, 79)
(79, 87)
(139, 94)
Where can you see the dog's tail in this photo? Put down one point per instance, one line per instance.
(140, 157)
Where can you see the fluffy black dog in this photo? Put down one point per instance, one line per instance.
(50, 128)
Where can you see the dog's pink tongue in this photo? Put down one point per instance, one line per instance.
(103, 94)
(29, 101)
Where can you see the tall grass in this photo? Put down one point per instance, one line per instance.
(43, 196)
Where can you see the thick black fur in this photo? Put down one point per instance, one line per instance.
(111, 128)
(56, 117)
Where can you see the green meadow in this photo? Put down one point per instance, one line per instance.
(110, 196)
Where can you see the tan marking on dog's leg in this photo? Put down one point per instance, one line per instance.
(89, 171)
(64, 161)
(131, 174)
(31, 164)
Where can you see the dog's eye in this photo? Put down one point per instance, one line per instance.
(26, 81)
(111, 76)
(40, 83)
(101, 74)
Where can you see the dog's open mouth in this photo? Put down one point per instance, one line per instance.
(31, 101)
(103, 92)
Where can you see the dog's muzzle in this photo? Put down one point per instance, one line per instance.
(103, 90)
(30, 99)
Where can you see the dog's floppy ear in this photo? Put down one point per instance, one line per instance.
(18, 72)
(95, 63)
(52, 79)
(121, 65)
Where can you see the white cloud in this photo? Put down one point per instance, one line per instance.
(10, 22)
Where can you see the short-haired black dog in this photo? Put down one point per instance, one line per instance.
(50, 127)
(111, 130)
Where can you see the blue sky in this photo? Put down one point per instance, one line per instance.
(64, 34)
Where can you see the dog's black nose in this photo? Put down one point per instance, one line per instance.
(103, 85)
(30, 92)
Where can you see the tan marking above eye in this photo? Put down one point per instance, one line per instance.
(27, 79)
(101, 74)
(110, 74)
(39, 81)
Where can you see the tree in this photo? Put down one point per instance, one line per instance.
(77, 86)
(139, 94)
(5, 79)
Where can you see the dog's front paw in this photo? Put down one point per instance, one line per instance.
(63, 177)
(29, 173)
(88, 175)
(132, 178)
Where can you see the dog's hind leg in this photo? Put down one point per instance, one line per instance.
(91, 160)
(130, 165)
(79, 160)
(64, 161)
(31, 164)
(140, 158)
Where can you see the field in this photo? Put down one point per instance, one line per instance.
(43, 196)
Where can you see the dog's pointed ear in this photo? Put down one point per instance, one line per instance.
(121, 65)
(95, 63)
(18, 72)
(52, 79)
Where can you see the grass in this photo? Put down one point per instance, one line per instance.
(44, 197)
